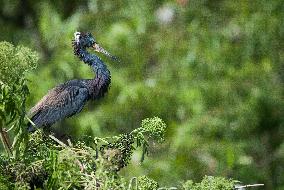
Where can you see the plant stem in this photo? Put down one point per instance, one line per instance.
(5, 141)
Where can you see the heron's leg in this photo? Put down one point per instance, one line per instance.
(65, 138)
(47, 129)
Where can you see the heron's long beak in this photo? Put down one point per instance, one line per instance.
(98, 48)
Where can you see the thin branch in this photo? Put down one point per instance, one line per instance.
(58, 141)
(69, 143)
(132, 180)
(10, 128)
(30, 120)
(5, 140)
(253, 185)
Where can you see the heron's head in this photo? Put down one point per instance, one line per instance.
(84, 40)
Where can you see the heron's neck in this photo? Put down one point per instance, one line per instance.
(95, 62)
(100, 84)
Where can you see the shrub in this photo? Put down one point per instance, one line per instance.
(14, 63)
(48, 163)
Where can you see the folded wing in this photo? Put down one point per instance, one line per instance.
(61, 102)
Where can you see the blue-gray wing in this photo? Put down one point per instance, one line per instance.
(61, 102)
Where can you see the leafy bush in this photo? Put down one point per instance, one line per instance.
(210, 183)
(14, 63)
(49, 163)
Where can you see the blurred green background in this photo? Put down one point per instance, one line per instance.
(212, 70)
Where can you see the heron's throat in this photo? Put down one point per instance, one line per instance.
(92, 60)
(100, 84)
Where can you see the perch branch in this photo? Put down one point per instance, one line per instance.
(253, 185)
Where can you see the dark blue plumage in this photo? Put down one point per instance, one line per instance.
(70, 97)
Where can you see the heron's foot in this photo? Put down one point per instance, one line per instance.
(31, 128)
(47, 129)
(65, 138)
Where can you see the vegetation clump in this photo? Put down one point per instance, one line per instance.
(145, 183)
(14, 63)
(48, 163)
(210, 183)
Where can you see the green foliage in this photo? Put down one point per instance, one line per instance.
(48, 163)
(118, 152)
(14, 63)
(210, 183)
(145, 183)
